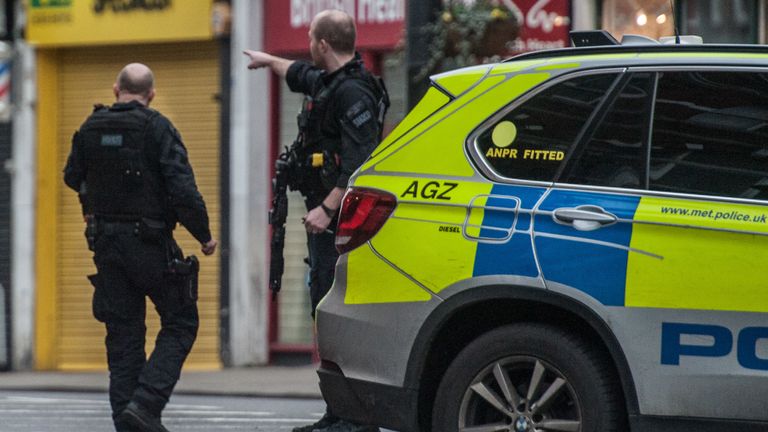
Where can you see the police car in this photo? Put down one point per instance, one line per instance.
(570, 240)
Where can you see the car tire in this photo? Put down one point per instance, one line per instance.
(576, 391)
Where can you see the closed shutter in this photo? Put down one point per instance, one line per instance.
(187, 83)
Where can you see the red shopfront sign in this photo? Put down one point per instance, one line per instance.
(380, 23)
(545, 24)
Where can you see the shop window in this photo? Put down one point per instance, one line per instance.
(532, 141)
(710, 134)
(733, 21)
(652, 18)
(396, 81)
(614, 154)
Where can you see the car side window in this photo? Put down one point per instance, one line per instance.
(710, 134)
(532, 141)
(614, 153)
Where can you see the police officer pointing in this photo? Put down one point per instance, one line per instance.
(131, 169)
(340, 124)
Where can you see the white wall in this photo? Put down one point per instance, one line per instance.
(584, 14)
(23, 189)
(249, 192)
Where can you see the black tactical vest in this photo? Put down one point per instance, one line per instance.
(315, 107)
(313, 116)
(122, 182)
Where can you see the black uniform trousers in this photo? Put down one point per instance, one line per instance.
(322, 259)
(129, 269)
(322, 265)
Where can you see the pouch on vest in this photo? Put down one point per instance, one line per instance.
(152, 231)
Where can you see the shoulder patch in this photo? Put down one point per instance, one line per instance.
(355, 109)
(362, 119)
(358, 114)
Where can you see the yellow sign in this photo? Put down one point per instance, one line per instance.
(90, 22)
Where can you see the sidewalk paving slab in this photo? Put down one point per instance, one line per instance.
(258, 381)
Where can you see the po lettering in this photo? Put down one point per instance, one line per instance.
(746, 343)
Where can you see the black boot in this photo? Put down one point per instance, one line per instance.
(326, 421)
(120, 426)
(345, 426)
(141, 418)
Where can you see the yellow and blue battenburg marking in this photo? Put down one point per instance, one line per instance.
(714, 256)
(594, 262)
(515, 256)
(660, 252)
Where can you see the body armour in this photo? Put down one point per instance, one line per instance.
(313, 116)
(122, 182)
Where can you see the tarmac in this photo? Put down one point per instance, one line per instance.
(259, 381)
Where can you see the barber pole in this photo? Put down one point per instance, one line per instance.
(5, 82)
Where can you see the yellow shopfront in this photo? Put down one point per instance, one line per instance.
(80, 49)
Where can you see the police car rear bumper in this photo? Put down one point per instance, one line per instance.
(366, 402)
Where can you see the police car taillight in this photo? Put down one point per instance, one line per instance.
(363, 213)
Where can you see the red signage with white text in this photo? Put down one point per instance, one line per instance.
(380, 23)
(545, 24)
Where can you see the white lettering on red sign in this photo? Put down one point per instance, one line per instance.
(537, 17)
(380, 11)
(365, 11)
(302, 11)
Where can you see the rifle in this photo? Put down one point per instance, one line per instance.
(290, 168)
(277, 216)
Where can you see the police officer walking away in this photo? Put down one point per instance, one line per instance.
(339, 126)
(130, 167)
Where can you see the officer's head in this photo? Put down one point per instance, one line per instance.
(135, 82)
(331, 36)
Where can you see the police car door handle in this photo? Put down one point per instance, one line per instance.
(584, 218)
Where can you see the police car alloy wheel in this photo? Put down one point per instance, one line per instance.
(529, 377)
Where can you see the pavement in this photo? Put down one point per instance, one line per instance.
(258, 381)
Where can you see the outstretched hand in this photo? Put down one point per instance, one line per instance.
(258, 59)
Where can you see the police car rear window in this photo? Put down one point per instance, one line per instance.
(532, 140)
(614, 152)
(710, 134)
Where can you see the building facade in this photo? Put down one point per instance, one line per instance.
(80, 47)
(380, 39)
(736, 21)
(234, 123)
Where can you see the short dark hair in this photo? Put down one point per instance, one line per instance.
(136, 84)
(338, 29)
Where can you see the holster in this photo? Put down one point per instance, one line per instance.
(182, 277)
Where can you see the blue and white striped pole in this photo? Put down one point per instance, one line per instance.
(5, 82)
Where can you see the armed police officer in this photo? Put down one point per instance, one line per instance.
(340, 124)
(131, 169)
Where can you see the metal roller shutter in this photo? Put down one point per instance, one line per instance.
(187, 81)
